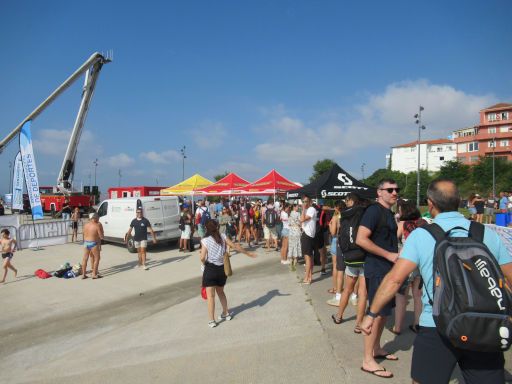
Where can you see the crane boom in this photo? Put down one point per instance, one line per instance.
(91, 68)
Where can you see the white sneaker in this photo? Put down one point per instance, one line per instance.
(212, 324)
(353, 299)
(225, 317)
(146, 268)
(333, 302)
(285, 262)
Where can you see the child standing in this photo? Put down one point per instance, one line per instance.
(8, 246)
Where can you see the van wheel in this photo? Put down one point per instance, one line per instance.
(131, 246)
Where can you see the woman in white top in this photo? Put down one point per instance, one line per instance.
(212, 257)
(284, 234)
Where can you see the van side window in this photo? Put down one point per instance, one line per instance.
(102, 210)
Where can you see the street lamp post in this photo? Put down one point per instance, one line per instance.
(362, 170)
(420, 127)
(10, 176)
(493, 169)
(119, 180)
(183, 163)
(95, 162)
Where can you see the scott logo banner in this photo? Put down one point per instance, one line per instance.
(30, 170)
(17, 183)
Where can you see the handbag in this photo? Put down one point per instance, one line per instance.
(227, 264)
(203, 293)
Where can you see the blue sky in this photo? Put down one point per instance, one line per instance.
(247, 86)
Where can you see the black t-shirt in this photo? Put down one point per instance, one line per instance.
(382, 235)
(66, 209)
(141, 228)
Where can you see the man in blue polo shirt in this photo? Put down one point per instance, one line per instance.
(434, 357)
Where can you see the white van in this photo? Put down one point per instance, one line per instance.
(163, 213)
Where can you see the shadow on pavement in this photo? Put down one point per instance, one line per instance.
(132, 264)
(259, 302)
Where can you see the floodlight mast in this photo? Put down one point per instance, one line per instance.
(91, 68)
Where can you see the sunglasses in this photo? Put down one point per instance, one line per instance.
(390, 190)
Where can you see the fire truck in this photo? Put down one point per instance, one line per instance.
(53, 198)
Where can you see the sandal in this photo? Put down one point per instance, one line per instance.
(415, 328)
(336, 319)
(357, 329)
(332, 291)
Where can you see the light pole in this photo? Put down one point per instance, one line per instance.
(95, 162)
(420, 127)
(493, 169)
(119, 180)
(183, 166)
(10, 177)
(362, 170)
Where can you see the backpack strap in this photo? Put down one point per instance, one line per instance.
(476, 231)
(435, 231)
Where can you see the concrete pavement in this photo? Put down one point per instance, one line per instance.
(151, 326)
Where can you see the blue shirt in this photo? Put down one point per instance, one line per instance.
(419, 248)
(504, 202)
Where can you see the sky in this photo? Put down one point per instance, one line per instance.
(246, 86)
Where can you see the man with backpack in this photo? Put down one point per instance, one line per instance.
(466, 318)
(202, 216)
(270, 218)
(377, 235)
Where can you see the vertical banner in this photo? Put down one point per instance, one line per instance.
(17, 183)
(30, 170)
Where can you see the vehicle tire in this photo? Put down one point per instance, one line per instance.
(131, 246)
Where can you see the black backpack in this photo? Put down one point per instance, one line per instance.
(205, 216)
(472, 303)
(349, 224)
(182, 223)
(270, 217)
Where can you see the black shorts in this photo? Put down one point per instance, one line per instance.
(214, 275)
(434, 358)
(372, 284)
(7, 255)
(307, 244)
(74, 224)
(319, 239)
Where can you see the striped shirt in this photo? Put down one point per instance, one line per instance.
(214, 252)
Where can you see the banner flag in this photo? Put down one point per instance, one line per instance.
(30, 170)
(17, 183)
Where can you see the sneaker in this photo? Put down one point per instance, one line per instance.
(136, 267)
(285, 262)
(333, 302)
(146, 268)
(226, 317)
(212, 324)
(353, 299)
(323, 272)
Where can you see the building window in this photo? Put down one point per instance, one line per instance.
(473, 147)
(461, 148)
(439, 149)
(492, 144)
(491, 117)
(491, 130)
(504, 129)
(503, 143)
(441, 158)
(474, 159)
(504, 115)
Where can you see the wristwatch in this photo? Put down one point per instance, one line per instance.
(371, 314)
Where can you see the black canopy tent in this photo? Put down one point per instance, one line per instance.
(336, 183)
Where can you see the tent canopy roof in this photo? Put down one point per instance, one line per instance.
(224, 186)
(188, 186)
(335, 183)
(270, 184)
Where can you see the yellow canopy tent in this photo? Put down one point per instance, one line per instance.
(187, 187)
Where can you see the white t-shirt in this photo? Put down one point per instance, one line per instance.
(309, 226)
(214, 251)
(284, 219)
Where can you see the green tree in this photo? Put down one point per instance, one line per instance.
(482, 175)
(320, 167)
(383, 173)
(220, 176)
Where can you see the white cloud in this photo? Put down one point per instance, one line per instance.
(385, 120)
(209, 135)
(165, 157)
(121, 160)
(54, 142)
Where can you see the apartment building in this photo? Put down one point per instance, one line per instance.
(433, 154)
(492, 135)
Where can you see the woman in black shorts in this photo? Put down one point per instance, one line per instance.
(212, 257)
(75, 217)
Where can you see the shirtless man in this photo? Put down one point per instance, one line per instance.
(93, 234)
(8, 246)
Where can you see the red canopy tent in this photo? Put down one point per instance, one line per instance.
(227, 186)
(271, 184)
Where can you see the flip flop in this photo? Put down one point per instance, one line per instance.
(392, 330)
(357, 329)
(336, 319)
(376, 374)
(97, 277)
(415, 328)
(388, 356)
(332, 291)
